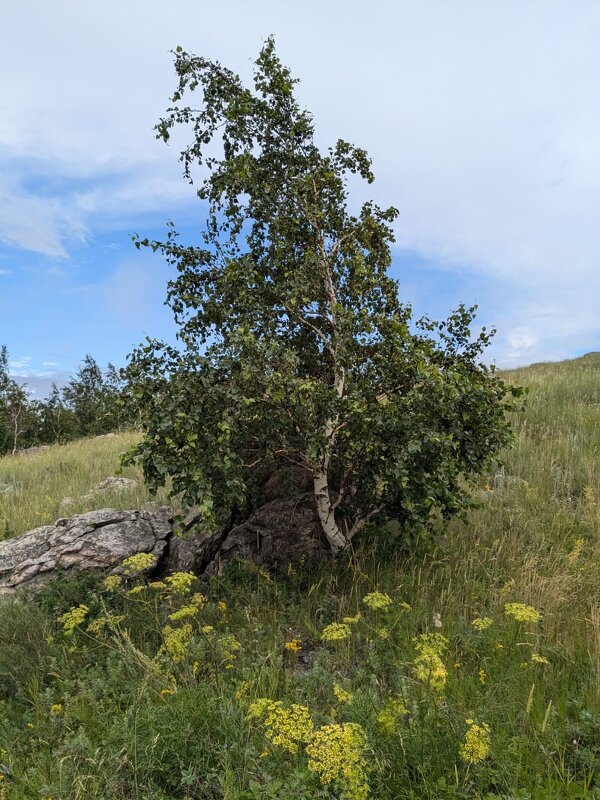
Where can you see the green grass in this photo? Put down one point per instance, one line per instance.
(132, 709)
(44, 479)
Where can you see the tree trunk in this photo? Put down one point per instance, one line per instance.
(337, 540)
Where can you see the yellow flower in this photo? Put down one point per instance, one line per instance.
(222, 606)
(137, 589)
(576, 551)
(294, 645)
(383, 633)
(476, 745)
(73, 618)
(428, 666)
(538, 659)
(393, 712)
(341, 694)
(482, 676)
(112, 583)
(56, 710)
(482, 623)
(207, 629)
(522, 612)
(335, 632)
(285, 727)
(353, 620)
(180, 582)
(336, 753)
(139, 562)
(185, 612)
(166, 692)
(177, 641)
(377, 600)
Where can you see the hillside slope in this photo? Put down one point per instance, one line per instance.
(465, 669)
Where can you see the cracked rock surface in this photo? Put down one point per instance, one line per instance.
(96, 540)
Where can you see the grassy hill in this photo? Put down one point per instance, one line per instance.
(466, 669)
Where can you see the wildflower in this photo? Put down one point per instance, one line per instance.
(538, 659)
(456, 665)
(229, 647)
(476, 745)
(207, 629)
(264, 573)
(482, 623)
(195, 667)
(335, 632)
(56, 710)
(341, 694)
(180, 582)
(383, 633)
(499, 646)
(576, 551)
(294, 645)
(139, 562)
(73, 618)
(137, 589)
(112, 583)
(285, 727)
(166, 692)
(336, 754)
(507, 587)
(522, 612)
(428, 665)
(184, 613)
(377, 600)
(157, 585)
(482, 676)
(222, 606)
(177, 641)
(352, 620)
(243, 690)
(97, 625)
(393, 712)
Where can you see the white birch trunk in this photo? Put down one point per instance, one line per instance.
(337, 540)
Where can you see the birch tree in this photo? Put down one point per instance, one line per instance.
(294, 347)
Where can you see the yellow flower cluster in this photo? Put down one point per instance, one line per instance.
(393, 712)
(476, 746)
(112, 583)
(177, 641)
(56, 710)
(336, 632)
(521, 612)
(185, 612)
(336, 754)
(377, 600)
(73, 618)
(139, 562)
(353, 620)
(293, 646)
(341, 694)
(285, 727)
(538, 659)
(428, 665)
(110, 621)
(229, 647)
(180, 582)
(482, 623)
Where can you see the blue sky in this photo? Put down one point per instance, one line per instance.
(482, 119)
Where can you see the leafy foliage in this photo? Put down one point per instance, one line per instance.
(294, 345)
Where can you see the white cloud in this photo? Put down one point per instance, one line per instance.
(483, 120)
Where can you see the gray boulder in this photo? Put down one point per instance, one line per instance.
(98, 540)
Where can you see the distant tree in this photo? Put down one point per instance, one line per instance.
(16, 415)
(295, 347)
(57, 423)
(85, 395)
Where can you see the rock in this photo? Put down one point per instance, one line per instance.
(96, 540)
(115, 484)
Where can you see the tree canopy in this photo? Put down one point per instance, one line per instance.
(294, 346)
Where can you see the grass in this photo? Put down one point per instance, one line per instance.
(44, 479)
(136, 704)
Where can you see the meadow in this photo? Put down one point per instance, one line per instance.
(465, 667)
